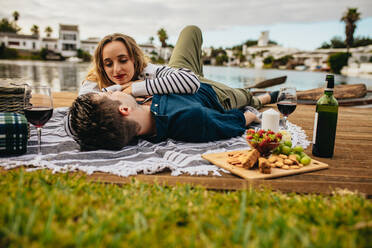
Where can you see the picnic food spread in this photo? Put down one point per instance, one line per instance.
(271, 156)
(264, 142)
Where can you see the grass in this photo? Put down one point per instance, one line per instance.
(41, 209)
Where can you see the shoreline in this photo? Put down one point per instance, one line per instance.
(65, 99)
(26, 62)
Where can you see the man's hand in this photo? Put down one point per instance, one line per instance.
(147, 100)
(250, 117)
(128, 89)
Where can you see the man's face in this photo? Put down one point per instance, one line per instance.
(125, 99)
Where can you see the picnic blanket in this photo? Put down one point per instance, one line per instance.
(61, 153)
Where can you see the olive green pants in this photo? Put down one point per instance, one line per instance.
(188, 54)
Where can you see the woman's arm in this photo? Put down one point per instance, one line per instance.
(168, 80)
(88, 86)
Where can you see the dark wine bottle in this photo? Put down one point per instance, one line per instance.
(325, 122)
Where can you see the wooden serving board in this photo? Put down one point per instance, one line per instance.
(220, 159)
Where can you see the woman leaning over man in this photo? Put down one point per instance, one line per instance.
(118, 60)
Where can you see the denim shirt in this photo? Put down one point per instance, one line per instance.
(196, 117)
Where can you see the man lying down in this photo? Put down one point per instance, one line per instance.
(111, 120)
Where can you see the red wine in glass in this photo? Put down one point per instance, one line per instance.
(287, 102)
(38, 116)
(286, 108)
(38, 108)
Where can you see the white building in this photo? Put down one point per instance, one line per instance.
(151, 50)
(315, 60)
(233, 59)
(89, 45)
(264, 39)
(165, 52)
(50, 44)
(20, 41)
(359, 63)
(67, 43)
(148, 49)
(207, 51)
(69, 40)
(256, 54)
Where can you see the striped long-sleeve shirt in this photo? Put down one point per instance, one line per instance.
(166, 80)
(157, 79)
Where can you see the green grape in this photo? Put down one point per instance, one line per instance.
(277, 150)
(302, 154)
(305, 160)
(280, 147)
(298, 149)
(288, 143)
(286, 150)
(298, 157)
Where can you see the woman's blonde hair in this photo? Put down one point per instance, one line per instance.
(97, 72)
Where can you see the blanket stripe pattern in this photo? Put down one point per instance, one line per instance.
(61, 153)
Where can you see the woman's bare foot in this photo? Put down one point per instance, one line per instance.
(269, 98)
(265, 99)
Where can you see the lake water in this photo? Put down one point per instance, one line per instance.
(67, 76)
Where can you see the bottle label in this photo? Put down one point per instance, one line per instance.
(315, 127)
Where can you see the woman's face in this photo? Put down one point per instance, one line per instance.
(118, 66)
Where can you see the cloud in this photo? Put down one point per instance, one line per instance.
(142, 18)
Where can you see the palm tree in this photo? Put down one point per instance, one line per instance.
(48, 30)
(15, 27)
(162, 34)
(15, 15)
(35, 29)
(151, 39)
(350, 17)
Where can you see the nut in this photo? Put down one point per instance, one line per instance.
(273, 159)
(288, 162)
(279, 164)
(292, 157)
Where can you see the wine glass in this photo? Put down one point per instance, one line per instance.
(38, 108)
(287, 102)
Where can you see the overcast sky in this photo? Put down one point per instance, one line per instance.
(303, 24)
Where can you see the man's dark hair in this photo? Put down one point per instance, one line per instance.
(97, 123)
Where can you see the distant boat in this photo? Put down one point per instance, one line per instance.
(74, 59)
(268, 83)
(301, 68)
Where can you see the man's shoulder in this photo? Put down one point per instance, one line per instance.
(205, 86)
(206, 89)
